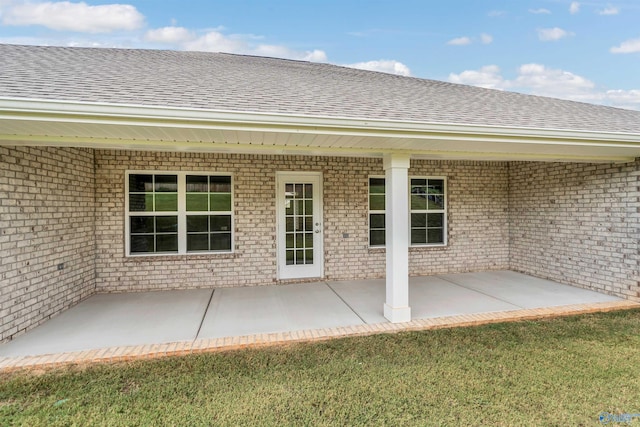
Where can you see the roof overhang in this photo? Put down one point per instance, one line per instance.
(135, 127)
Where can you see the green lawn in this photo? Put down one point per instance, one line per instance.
(563, 371)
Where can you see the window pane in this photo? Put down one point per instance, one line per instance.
(435, 220)
(418, 220)
(141, 224)
(142, 243)
(436, 202)
(197, 223)
(197, 184)
(166, 183)
(418, 181)
(197, 202)
(376, 185)
(418, 236)
(221, 242)
(220, 222)
(141, 202)
(166, 202)
(166, 224)
(220, 184)
(376, 237)
(418, 202)
(435, 235)
(167, 243)
(436, 186)
(376, 221)
(197, 242)
(140, 183)
(220, 202)
(376, 202)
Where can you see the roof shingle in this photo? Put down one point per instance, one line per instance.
(228, 82)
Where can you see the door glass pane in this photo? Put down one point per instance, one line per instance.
(299, 223)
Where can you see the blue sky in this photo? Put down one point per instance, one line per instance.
(581, 50)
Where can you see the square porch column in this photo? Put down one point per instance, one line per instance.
(396, 307)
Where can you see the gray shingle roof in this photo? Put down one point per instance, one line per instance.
(255, 84)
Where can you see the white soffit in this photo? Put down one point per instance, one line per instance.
(58, 123)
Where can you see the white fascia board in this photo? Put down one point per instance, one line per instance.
(179, 117)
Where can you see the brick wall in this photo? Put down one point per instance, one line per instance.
(577, 224)
(46, 219)
(478, 233)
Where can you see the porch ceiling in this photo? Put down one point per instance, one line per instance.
(55, 123)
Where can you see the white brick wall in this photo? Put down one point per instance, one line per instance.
(478, 232)
(574, 223)
(577, 224)
(46, 219)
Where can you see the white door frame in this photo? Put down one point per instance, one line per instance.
(300, 271)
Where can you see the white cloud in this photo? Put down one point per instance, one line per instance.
(170, 35)
(496, 13)
(628, 46)
(78, 17)
(552, 34)
(609, 11)
(486, 38)
(537, 79)
(540, 11)
(488, 77)
(216, 41)
(385, 66)
(459, 41)
(574, 7)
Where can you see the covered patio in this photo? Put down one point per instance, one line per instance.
(142, 323)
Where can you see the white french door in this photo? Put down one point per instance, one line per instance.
(299, 224)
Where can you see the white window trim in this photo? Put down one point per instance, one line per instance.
(444, 211)
(181, 213)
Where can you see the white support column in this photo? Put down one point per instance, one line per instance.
(396, 307)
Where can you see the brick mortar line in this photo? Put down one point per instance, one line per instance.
(182, 348)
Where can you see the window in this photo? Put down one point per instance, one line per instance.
(427, 211)
(376, 212)
(178, 213)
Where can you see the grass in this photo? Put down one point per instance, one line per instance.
(563, 371)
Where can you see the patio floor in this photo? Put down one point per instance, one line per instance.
(195, 319)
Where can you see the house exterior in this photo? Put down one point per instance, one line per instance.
(135, 170)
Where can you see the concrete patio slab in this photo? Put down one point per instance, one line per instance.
(432, 296)
(113, 320)
(526, 291)
(109, 326)
(280, 308)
